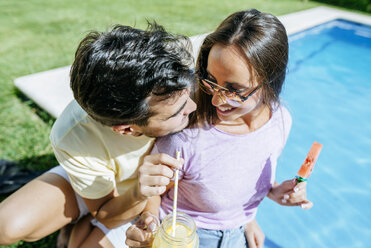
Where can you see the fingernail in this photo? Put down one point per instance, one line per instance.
(152, 227)
(309, 205)
(284, 201)
(286, 197)
(296, 189)
(305, 205)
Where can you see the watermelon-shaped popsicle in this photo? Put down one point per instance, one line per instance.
(307, 167)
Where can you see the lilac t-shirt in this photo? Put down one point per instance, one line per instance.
(225, 176)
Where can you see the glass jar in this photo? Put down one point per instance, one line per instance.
(185, 233)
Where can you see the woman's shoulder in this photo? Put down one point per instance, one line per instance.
(281, 112)
(283, 121)
(178, 139)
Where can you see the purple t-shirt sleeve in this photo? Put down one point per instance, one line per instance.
(170, 144)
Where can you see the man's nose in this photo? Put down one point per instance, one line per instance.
(191, 107)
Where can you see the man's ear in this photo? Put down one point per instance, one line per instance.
(123, 129)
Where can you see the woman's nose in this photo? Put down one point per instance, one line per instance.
(218, 99)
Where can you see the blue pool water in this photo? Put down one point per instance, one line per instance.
(328, 92)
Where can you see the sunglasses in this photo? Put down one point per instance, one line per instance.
(232, 97)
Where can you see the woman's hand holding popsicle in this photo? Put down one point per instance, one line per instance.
(290, 193)
(294, 192)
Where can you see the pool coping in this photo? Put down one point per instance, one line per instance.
(299, 21)
(50, 89)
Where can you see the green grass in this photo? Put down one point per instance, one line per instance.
(40, 35)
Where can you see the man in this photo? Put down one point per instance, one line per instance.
(130, 86)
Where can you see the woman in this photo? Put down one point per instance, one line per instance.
(238, 133)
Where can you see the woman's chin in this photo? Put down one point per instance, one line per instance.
(225, 115)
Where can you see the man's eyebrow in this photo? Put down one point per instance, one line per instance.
(178, 111)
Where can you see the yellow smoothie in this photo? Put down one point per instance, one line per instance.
(180, 240)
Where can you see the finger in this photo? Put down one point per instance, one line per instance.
(297, 197)
(145, 221)
(158, 169)
(251, 241)
(300, 186)
(285, 198)
(165, 159)
(307, 205)
(152, 191)
(146, 180)
(143, 217)
(151, 223)
(286, 203)
(297, 191)
(291, 202)
(260, 241)
(289, 184)
(133, 243)
(137, 236)
(148, 219)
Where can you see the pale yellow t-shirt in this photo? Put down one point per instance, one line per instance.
(96, 158)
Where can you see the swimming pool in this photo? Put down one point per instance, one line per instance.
(328, 92)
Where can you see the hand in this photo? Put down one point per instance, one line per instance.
(254, 235)
(140, 234)
(155, 173)
(289, 193)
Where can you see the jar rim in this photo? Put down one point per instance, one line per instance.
(182, 218)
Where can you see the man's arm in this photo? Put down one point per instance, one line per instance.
(113, 210)
(154, 175)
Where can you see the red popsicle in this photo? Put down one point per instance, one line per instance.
(307, 167)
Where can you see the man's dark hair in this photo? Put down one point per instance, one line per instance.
(115, 73)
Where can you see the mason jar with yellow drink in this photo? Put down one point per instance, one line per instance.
(185, 235)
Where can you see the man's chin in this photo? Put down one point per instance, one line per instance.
(180, 128)
(177, 130)
(157, 135)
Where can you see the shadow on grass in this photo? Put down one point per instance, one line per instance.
(43, 115)
(15, 174)
(40, 164)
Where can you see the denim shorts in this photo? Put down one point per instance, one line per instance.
(231, 238)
